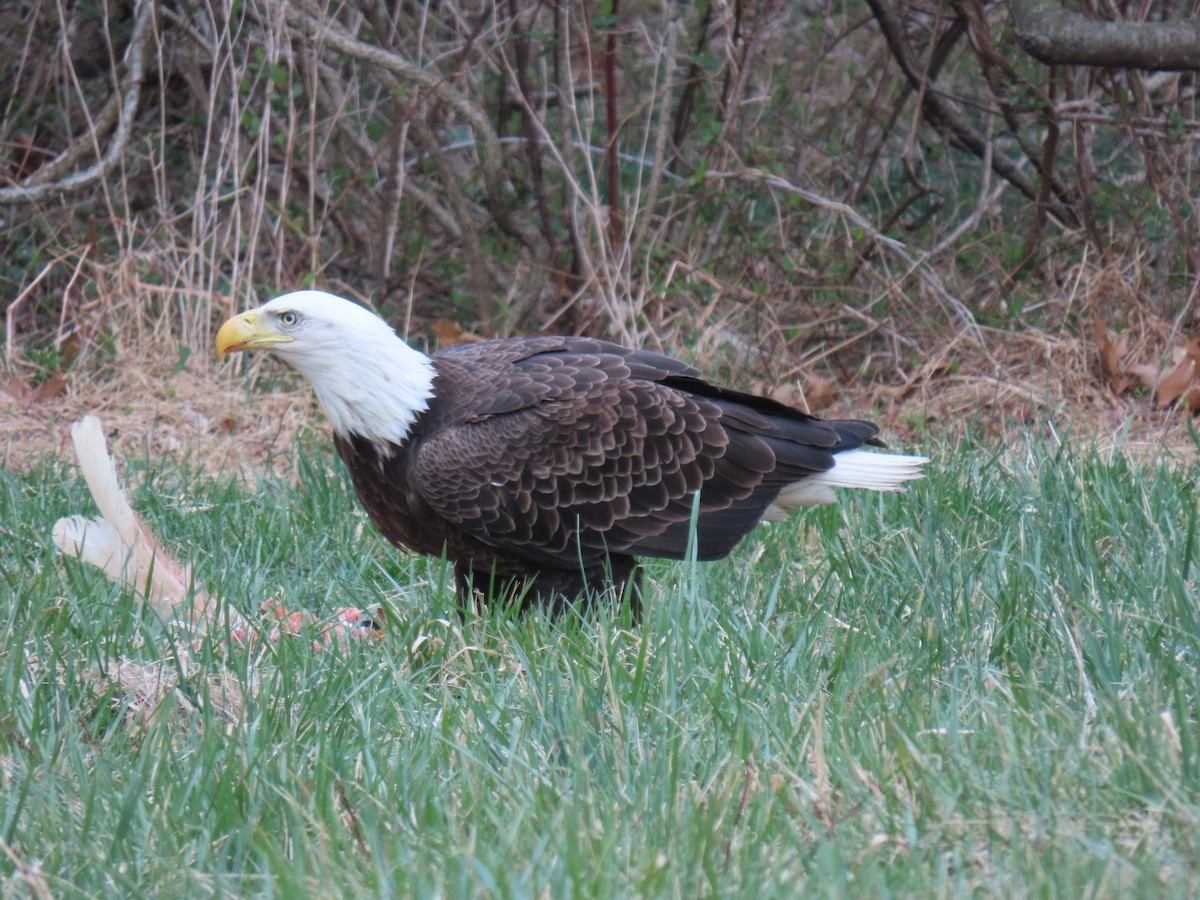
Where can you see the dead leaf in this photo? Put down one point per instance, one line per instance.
(1146, 373)
(816, 393)
(25, 396)
(450, 333)
(50, 388)
(17, 389)
(1192, 399)
(1175, 384)
(787, 394)
(1193, 350)
(1112, 356)
(1180, 381)
(820, 392)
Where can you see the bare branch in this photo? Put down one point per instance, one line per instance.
(37, 186)
(458, 207)
(1057, 36)
(940, 112)
(326, 32)
(916, 266)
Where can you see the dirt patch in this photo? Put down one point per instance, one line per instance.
(152, 407)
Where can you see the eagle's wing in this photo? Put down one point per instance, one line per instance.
(583, 449)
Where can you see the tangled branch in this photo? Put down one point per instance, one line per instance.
(320, 30)
(40, 183)
(917, 267)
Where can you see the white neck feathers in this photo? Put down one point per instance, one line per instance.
(376, 392)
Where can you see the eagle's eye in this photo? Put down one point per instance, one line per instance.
(288, 319)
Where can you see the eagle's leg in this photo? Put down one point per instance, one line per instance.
(551, 589)
(618, 580)
(477, 588)
(621, 580)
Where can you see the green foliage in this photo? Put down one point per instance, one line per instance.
(988, 685)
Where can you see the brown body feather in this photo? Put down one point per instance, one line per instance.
(553, 462)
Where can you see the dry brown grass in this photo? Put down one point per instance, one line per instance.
(150, 410)
(127, 368)
(227, 424)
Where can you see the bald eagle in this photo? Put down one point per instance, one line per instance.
(542, 467)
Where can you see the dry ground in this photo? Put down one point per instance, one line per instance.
(227, 423)
(150, 408)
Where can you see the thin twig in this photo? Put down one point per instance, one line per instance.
(355, 828)
(10, 312)
(918, 267)
(328, 33)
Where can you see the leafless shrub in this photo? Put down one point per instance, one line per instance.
(794, 188)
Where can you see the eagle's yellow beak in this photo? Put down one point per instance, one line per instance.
(249, 331)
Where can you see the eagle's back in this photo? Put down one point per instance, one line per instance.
(553, 452)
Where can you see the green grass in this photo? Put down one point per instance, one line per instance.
(988, 686)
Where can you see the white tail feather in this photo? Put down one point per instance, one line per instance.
(118, 541)
(861, 469)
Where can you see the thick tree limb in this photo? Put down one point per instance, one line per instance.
(1057, 36)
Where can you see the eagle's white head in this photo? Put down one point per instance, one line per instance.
(369, 382)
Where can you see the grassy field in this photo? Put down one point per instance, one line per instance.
(987, 687)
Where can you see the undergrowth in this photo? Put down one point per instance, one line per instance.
(893, 200)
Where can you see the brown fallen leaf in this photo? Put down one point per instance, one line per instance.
(1193, 396)
(787, 394)
(820, 392)
(1175, 382)
(1146, 373)
(22, 393)
(17, 389)
(449, 333)
(1178, 382)
(816, 393)
(1112, 356)
(50, 388)
(1185, 378)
